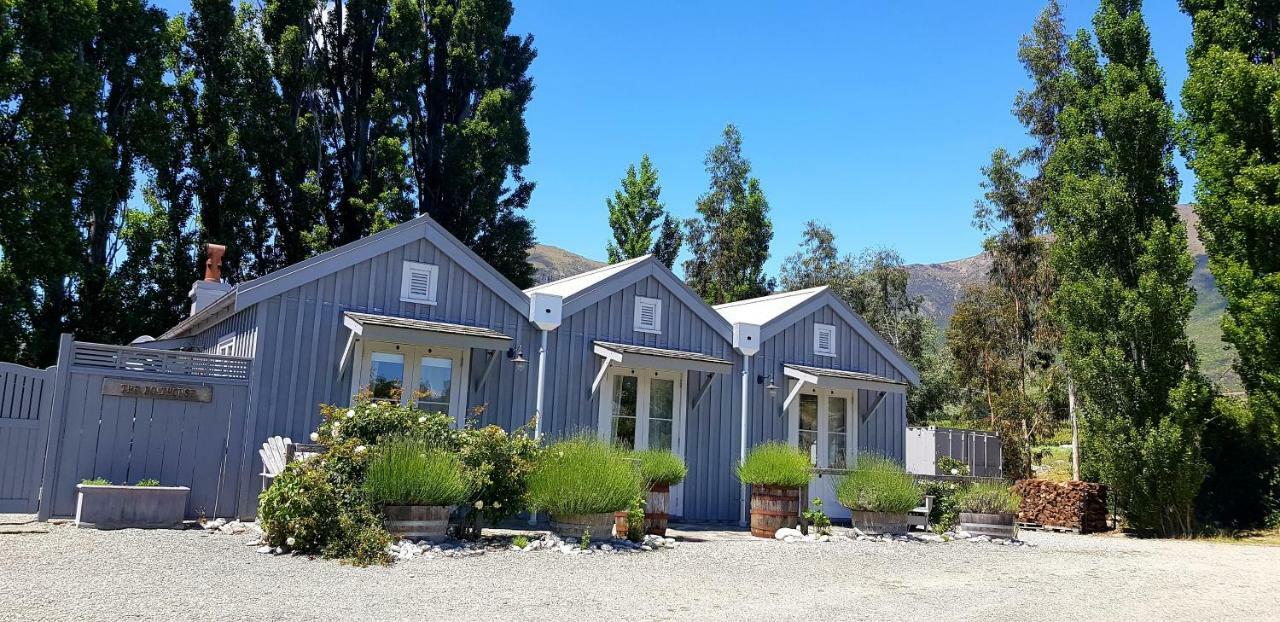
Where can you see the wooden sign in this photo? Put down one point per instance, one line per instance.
(157, 390)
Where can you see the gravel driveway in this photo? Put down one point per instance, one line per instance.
(80, 574)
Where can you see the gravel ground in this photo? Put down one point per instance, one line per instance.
(83, 574)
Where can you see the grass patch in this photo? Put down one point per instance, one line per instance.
(775, 464)
(1248, 537)
(1058, 459)
(582, 475)
(411, 472)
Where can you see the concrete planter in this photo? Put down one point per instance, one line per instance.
(572, 525)
(416, 522)
(995, 525)
(126, 507)
(879, 522)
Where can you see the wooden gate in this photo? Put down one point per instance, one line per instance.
(26, 395)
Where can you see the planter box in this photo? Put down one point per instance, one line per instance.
(996, 525)
(572, 525)
(416, 522)
(773, 508)
(879, 522)
(655, 509)
(126, 507)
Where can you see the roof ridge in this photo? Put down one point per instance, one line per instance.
(613, 266)
(794, 292)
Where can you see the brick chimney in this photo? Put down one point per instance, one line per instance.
(205, 292)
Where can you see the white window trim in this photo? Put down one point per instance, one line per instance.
(657, 315)
(405, 278)
(412, 363)
(604, 423)
(226, 346)
(818, 329)
(851, 422)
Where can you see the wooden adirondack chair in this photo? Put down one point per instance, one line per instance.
(273, 458)
(919, 517)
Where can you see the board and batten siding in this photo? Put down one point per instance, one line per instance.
(301, 336)
(241, 326)
(711, 491)
(883, 432)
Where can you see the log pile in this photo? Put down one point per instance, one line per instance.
(1074, 505)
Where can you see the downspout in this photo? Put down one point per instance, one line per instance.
(542, 378)
(742, 447)
(545, 313)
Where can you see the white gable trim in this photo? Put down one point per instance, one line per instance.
(859, 325)
(640, 270)
(422, 227)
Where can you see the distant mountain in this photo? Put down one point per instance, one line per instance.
(552, 264)
(941, 285)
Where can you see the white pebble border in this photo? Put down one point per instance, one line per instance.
(856, 535)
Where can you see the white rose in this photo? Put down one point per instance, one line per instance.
(497, 504)
(315, 436)
(351, 413)
(290, 541)
(479, 505)
(955, 471)
(360, 449)
(422, 419)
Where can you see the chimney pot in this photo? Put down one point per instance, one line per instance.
(213, 262)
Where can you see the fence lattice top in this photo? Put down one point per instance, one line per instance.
(170, 362)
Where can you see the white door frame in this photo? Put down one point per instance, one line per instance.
(604, 423)
(824, 439)
(413, 355)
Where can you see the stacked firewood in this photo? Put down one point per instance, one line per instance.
(1075, 505)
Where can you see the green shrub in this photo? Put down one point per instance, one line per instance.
(582, 475)
(988, 498)
(367, 422)
(952, 466)
(148, 482)
(361, 539)
(520, 541)
(945, 513)
(97, 481)
(816, 518)
(411, 472)
(635, 520)
(775, 464)
(497, 467)
(658, 466)
(301, 508)
(878, 484)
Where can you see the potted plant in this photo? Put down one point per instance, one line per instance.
(659, 470)
(879, 493)
(145, 505)
(417, 486)
(776, 472)
(988, 509)
(582, 482)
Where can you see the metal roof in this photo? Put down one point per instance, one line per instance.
(761, 311)
(369, 319)
(842, 373)
(642, 356)
(571, 285)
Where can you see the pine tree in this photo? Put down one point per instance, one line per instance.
(634, 213)
(1121, 256)
(1233, 145)
(730, 237)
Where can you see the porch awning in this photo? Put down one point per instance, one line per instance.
(423, 333)
(658, 358)
(826, 378)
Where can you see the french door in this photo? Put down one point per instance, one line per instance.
(644, 409)
(430, 377)
(822, 423)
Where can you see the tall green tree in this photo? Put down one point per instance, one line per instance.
(874, 284)
(1121, 256)
(730, 236)
(1232, 142)
(634, 211)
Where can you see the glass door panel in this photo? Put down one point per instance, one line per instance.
(435, 384)
(662, 411)
(625, 395)
(837, 432)
(386, 375)
(808, 430)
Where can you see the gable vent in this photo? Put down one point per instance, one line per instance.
(418, 283)
(824, 340)
(648, 315)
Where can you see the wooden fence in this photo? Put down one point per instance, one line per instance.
(26, 397)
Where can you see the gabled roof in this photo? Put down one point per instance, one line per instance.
(762, 310)
(266, 286)
(583, 290)
(775, 313)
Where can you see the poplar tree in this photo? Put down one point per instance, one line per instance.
(1120, 252)
(1232, 142)
(730, 236)
(634, 213)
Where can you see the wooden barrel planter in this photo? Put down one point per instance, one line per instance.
(879, 522)
(415, 522)
(773, 508)
(655, 509)
(573, 525)
(995, 525)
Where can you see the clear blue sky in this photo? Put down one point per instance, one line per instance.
(872, 117)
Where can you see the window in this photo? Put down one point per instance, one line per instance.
(386, 376)
(226, 346)
(648, 315)
(418, 283)
(430, 378)
(824, 340)
(435, 384)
